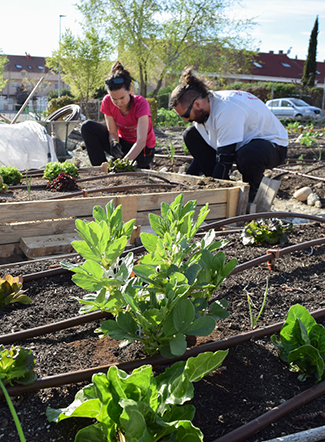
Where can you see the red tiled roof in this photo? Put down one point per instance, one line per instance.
(18, 63)
(280, 65)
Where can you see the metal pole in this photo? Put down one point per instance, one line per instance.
(323, 96)
(27, 101)
(59, 81)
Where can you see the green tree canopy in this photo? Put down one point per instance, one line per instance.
(3, 61)
(83, 62)
(156, 37)
(310, 63)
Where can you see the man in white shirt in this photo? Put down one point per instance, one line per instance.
(229, 126)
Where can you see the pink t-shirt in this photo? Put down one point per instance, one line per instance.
(127, 124)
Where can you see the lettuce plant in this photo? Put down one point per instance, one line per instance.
(140, 406)
(16, 365)
(10, 175)
(103, 241)
(266, 231)
(53, 169)
(302, 344)
(10, 291)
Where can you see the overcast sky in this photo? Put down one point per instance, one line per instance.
(33, 26)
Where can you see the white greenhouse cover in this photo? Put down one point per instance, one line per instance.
(25, 146)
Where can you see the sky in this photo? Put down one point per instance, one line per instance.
(33, 26)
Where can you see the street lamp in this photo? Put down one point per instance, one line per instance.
(59, 85)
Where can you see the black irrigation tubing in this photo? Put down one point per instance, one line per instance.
(54, 327)
(213, 225)
(270, 257)
(251, 216)
(114, 189)
(85, 375)
(258, 424)
(292, 172)
(94, 178)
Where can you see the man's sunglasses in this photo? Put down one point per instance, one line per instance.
(188, 112)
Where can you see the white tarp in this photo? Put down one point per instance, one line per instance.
(25, 146)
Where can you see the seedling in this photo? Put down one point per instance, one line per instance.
(10, 291)
(121, 165)
(16, 365)
(28, 184)
(171, 151)
(138, 406)
(253, 319)
(266, 231)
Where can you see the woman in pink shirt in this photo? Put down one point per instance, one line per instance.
(128, 132)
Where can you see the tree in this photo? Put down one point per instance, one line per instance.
(310, 65)
(3, 61)
(156, 37)
(82, 61)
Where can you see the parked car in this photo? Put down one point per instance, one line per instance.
(293, 107)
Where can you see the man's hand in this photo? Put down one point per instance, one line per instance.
(116, 149)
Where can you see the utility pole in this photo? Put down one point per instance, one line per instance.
(59, 85)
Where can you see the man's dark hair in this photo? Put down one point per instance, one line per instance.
(190, 87)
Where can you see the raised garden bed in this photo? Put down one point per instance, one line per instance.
(44, 217)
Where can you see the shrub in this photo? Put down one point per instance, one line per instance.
(57, 103)
(153, 108)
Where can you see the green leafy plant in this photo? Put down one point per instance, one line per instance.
(53, 169)
(140, 406)
(254, 319)
(103, 241)
(10, 175)
(3, 186)
(302, 344)
(16, 365)
(10, 291)
(169, 118)
(266, 231)
(121, 165)
(168, 298)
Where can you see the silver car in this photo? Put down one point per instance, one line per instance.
(293, 107)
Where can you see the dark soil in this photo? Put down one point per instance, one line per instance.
(254, 379)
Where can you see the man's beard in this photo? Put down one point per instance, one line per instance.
(200, 116)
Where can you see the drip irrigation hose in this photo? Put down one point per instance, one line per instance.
(213, 225)
(258, 424)
(251, 216)
(38, 331)
(114, 189)
(285, 171)
(54, 327)
(85, 375)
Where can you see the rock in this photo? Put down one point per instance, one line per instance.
(302, 194)
(318, 204)
(312, 198)
(182, 169)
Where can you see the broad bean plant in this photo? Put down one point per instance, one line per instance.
(140, 406)
(165, 296)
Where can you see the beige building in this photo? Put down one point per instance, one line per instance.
(25, 71)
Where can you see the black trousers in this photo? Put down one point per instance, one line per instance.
(96, 138)
(252, 159)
